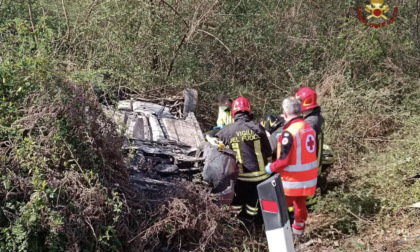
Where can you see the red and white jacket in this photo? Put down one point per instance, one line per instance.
(296, 159)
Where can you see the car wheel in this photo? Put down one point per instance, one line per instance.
(190, 101)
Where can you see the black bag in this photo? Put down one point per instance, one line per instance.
(221, 171)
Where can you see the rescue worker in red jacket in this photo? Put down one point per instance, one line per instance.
(296, 162)
(249, 140)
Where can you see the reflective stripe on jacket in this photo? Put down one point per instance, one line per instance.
(316, 121)
(249, 140)
(224, 118)
(299, 176)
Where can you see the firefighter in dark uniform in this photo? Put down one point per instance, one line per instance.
(249, 140)
(274, 126)
(311, 112)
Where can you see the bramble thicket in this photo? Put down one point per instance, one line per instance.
(65, 185)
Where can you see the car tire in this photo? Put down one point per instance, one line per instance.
(190, 101)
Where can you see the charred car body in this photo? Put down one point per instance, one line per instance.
(164, 144)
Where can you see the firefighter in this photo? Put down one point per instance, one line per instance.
(296, 162)
(311, 112)
(249, 140)
(273, 125)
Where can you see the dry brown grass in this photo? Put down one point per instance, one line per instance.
(63, 158)
(188, 219)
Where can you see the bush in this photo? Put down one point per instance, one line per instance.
(53, 135)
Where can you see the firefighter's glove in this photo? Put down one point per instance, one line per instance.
(218, 127)
(214, 141)
(267, 168)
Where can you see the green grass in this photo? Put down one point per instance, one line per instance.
(371, 209)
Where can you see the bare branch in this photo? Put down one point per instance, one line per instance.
(67, 20)
(417, 22)
(92, 6)
(196, 21)
(175, 55)
(31, 17)
(176, 12)
(216, 38)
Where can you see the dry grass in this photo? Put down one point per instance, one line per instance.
(62, 164)
(188, 219)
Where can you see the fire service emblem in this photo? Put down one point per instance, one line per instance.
(377, 12)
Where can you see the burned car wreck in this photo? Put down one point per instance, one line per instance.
(164, 145)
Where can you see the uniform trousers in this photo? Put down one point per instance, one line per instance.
(299, 204)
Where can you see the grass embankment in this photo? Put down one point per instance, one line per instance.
(369, 208)
(367, 79)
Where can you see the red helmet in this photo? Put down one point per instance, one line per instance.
(241, 104)
(307, 97)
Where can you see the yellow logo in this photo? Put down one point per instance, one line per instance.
(376, 8)
(307, 102)
(236, 106)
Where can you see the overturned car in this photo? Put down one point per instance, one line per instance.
(164, 145)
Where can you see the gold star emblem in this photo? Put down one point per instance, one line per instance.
(376, 8)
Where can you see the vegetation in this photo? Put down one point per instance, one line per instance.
(64, 187)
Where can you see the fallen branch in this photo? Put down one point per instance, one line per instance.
(216, 38)
(387, 140)
(358, 217)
